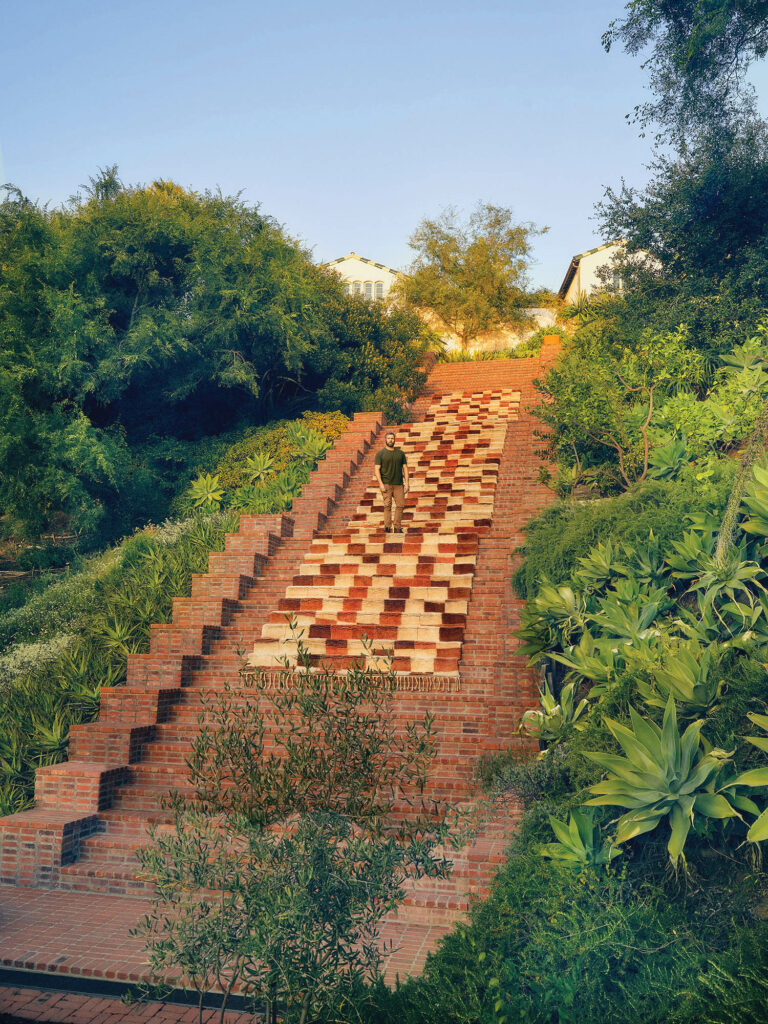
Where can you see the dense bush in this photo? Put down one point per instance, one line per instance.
(137, 320)
(554, 946)
(567, 531)
(274, 440)
(65, 642)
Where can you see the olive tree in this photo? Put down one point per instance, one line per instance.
(472, 275)
(307, 817)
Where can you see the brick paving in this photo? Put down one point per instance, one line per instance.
(30, 1004)
(442, 595)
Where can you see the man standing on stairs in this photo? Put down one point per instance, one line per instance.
(392, 477)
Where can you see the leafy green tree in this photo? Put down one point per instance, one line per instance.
(376, 362)
(599, 400)
(702, 220)
(134, 319)
(700, 52)
(473, 274)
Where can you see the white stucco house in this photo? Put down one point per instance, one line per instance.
(364, 277)
(583, 277)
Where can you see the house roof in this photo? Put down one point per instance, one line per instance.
(571, 271)
(354, 256)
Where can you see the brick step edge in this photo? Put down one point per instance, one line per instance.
(35, 844)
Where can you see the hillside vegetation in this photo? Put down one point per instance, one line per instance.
(139, 324)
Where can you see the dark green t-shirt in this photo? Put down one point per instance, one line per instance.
(391, 461)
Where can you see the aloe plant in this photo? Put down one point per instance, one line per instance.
(663, 777)
(580, 841)
(552, 719)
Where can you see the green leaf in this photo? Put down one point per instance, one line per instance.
(714, 805)
(754, 777)
(680, 822)
(758, 831)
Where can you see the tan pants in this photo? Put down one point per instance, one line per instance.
(396, 493)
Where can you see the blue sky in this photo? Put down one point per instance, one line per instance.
(347, 122)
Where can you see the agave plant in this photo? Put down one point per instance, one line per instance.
(627, 613)
(205, 491)
(258, 467)
(246, 498)
(753, 777)
(645, 561)
(685, 560)
(663, 777)
(308, 443)
(551, 619)
(755, 503)
(579, 842)
(701, 624)
(599, 567)
(748, 624)
(314, 447)
(552, 719)
(716, 580)
(688, 676)
(590, 659)
(665, 462)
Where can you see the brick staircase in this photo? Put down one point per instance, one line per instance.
(436, 599)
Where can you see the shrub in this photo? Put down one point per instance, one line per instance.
(538, 779)
(315, 783)
(232, 467)
(563, 533)
(732, 987)
(551, 945)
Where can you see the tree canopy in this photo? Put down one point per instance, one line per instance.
(133, 315)
(700, 52)
(472, 274)
(702, 215)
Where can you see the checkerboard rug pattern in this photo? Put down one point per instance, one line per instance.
(364, 594)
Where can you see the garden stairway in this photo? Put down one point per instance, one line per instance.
(438, 597)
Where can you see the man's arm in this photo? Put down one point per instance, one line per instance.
(406, 485)
(377, 471)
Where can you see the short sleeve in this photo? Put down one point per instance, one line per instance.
(377, 460)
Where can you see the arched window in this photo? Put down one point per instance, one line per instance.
(358, 287)
(379, 289)
(369, 289)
